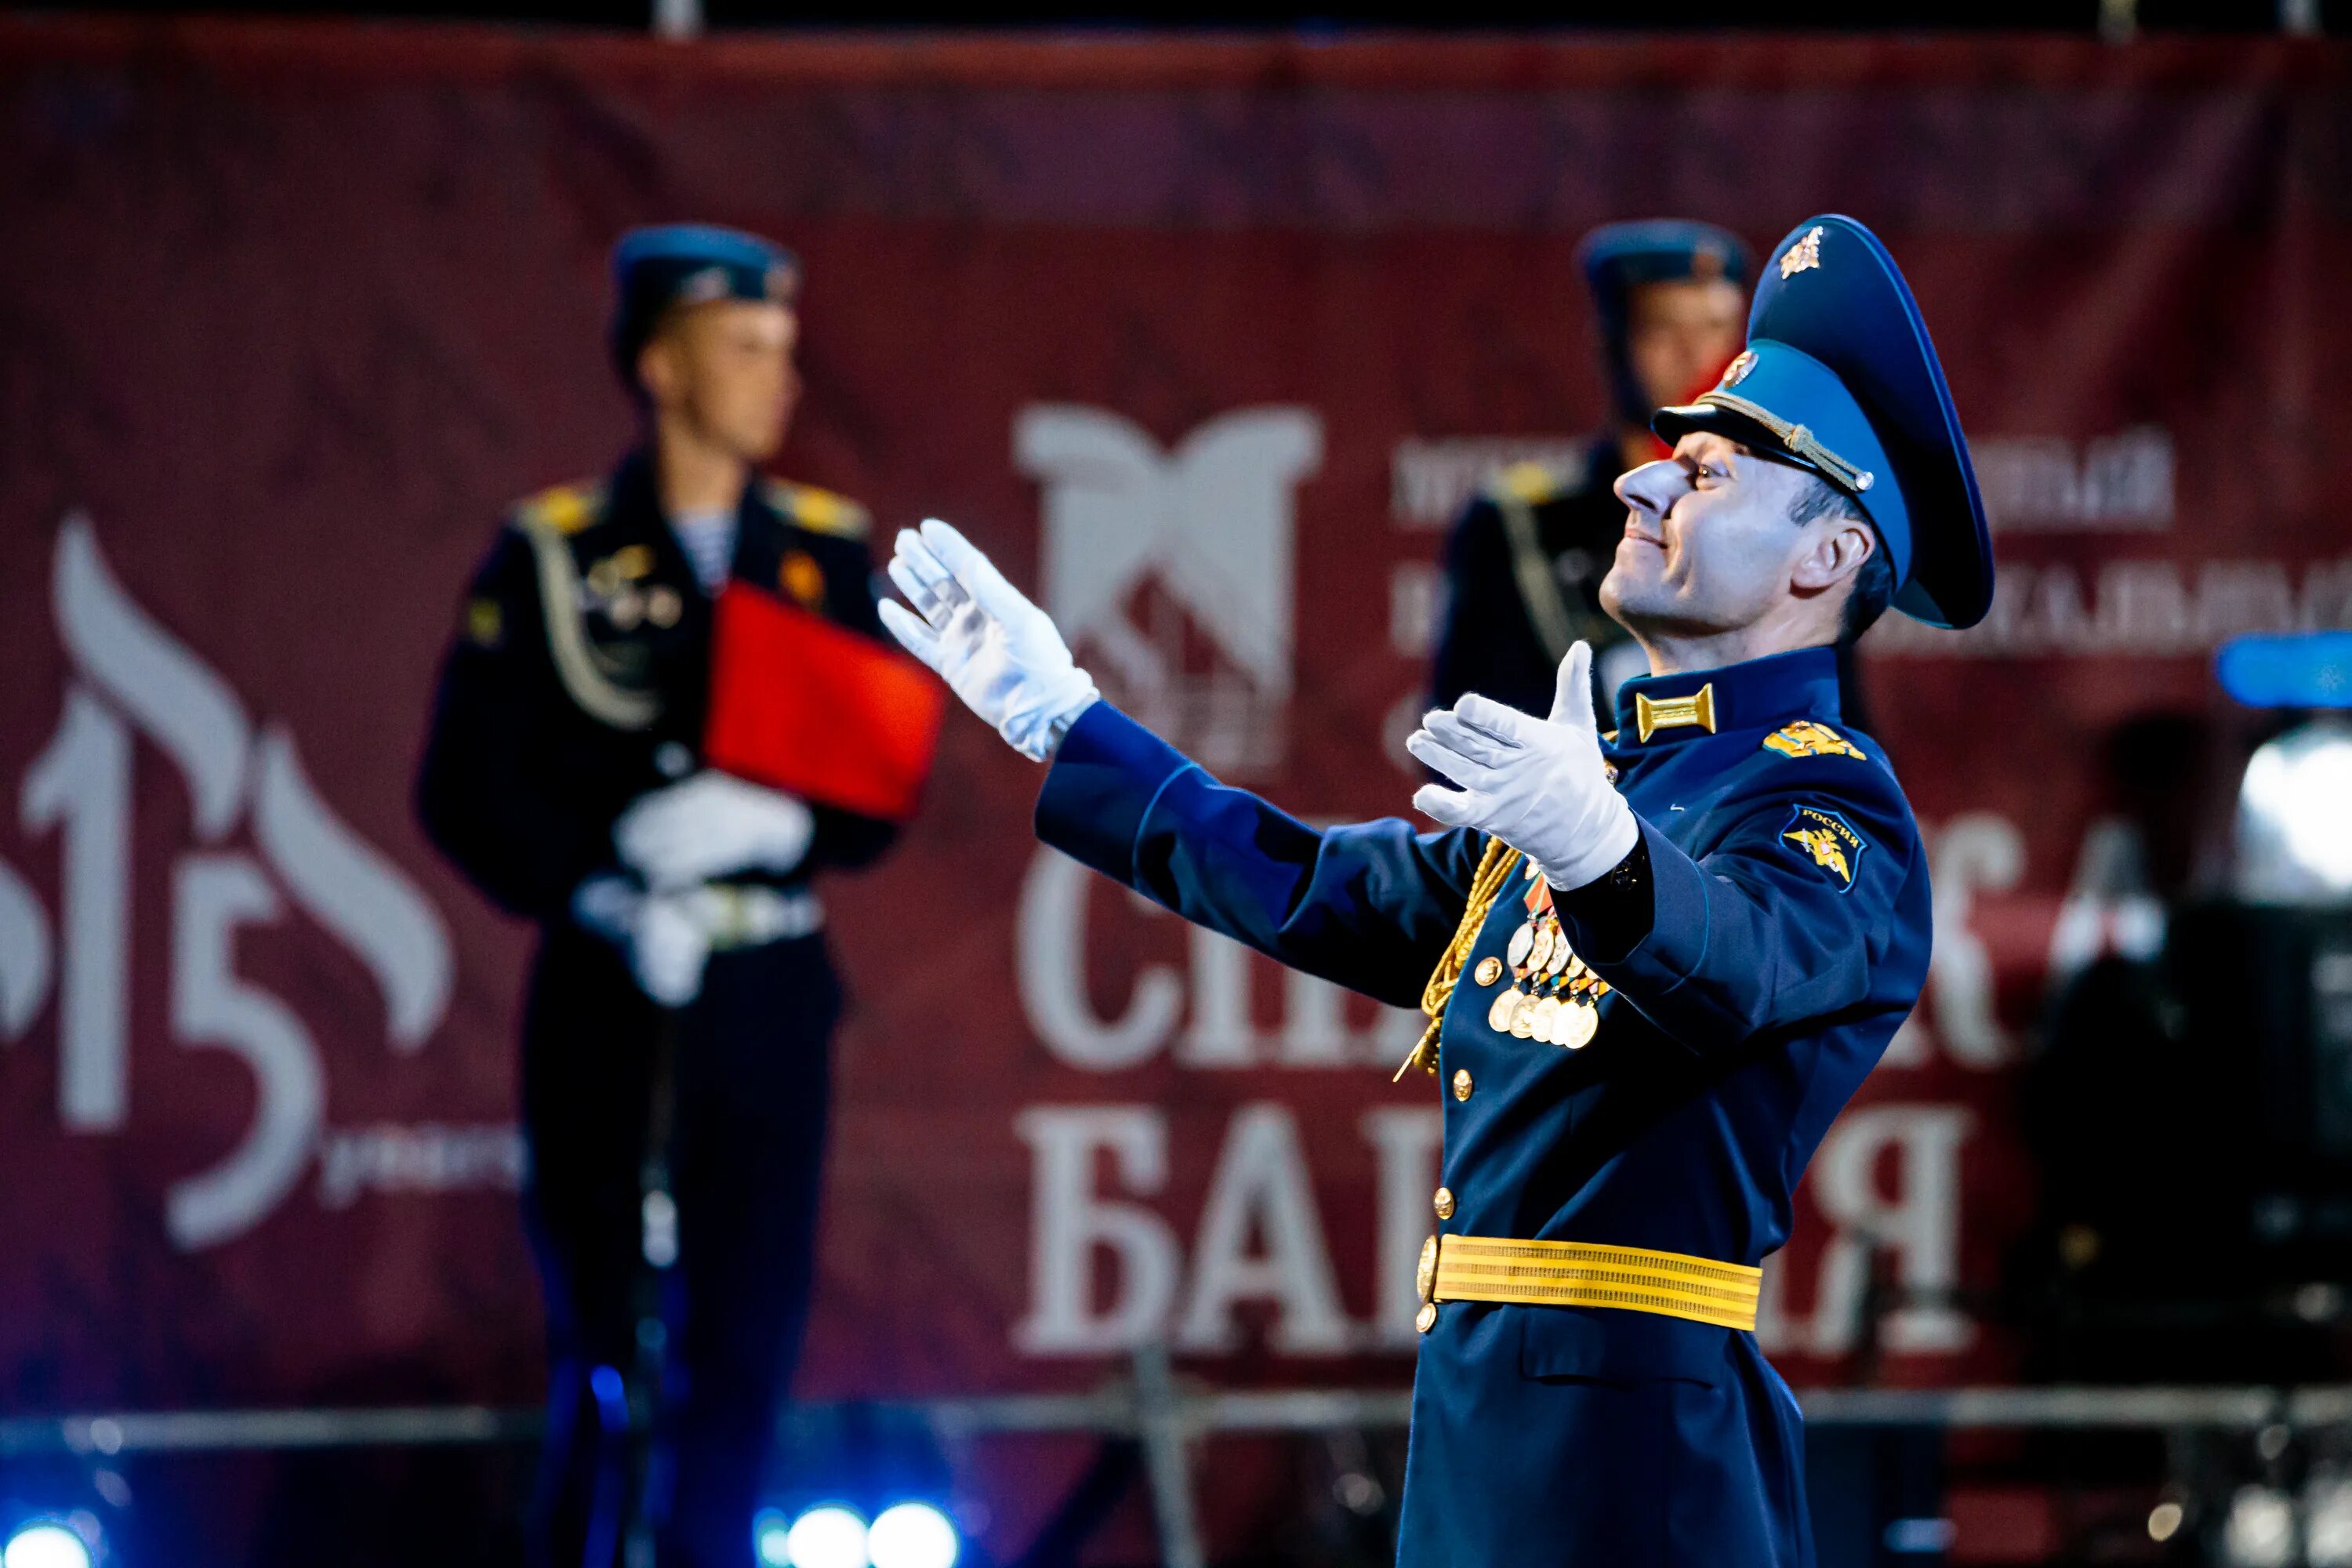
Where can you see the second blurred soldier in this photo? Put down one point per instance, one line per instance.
(1525, 561)
(681, 1000)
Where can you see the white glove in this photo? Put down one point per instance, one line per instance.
(667, 951)
(1539, 786)
(666, 934)
(712, 824)
(998, 651)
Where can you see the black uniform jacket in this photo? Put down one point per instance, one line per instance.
(580, 672)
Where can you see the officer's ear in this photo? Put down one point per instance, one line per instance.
(1836, 549)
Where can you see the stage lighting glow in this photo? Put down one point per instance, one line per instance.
(771, 1538)
(1920, 1537)
(2327, 1521)
(912, 1535)
(2309, 670)
(45, 1543)
(826, 1536)
(2259, 1529)
(2294, 835)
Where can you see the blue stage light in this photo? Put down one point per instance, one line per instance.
(771, 1537)
(46, 1543)
(2310, 669)
(826, 1536)
(912, 1535)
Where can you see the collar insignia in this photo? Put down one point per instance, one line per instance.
(1652, 714)
(1804, 254)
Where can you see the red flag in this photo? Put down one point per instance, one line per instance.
(801, 704)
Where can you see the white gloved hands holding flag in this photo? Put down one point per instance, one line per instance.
(996, 649)
(710, 825)
(1539, 784)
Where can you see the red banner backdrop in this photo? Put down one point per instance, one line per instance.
(1203, 341)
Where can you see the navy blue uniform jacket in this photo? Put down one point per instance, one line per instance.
(1788, 940)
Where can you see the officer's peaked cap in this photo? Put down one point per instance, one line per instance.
(1839, 376)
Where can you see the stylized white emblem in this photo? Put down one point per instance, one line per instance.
(1212, 522)
(133, 678)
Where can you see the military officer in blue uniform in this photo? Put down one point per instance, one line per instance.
(1525, 560)
(681, 964)
(1661, 958)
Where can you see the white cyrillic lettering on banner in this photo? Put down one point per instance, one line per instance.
(1069, 1220)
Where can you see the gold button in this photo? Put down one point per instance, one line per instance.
(1489, 970)
(1424, 1273)
(1445, 1203)
(1461, 1083)
(1426, 1318)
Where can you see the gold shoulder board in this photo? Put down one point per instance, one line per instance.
(1531, 483)
(563, 509)
(819, 511)
(1808, 738)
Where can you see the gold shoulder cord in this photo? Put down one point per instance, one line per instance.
(567, 644)
(1495, 868)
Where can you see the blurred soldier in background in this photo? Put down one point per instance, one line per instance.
(1524, 563)
(681, 1002)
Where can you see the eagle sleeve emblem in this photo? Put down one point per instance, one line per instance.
(1825, 840)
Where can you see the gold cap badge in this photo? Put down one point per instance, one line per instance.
(1803, 255)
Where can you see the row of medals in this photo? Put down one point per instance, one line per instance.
(612, 586)
(1553, 994)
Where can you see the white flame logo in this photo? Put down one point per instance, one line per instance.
(133, 678)
(1212, 518)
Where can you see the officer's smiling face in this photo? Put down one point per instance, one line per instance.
(1708, 546)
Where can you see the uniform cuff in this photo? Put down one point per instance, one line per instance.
(1614, 910)
(1673, 945)
(1100, 789)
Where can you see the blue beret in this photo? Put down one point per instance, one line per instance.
(657, 269)
(1839, 376)
(1618, 258)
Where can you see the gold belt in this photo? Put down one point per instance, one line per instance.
(1585, 1274)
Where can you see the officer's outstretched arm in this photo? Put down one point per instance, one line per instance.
(1370, 907)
